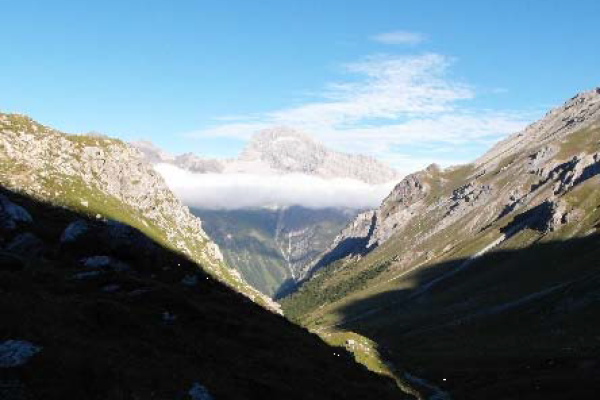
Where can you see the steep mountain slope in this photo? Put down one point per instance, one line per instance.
(107, 313)
(105, 178)
(486, 274)
(272, 245)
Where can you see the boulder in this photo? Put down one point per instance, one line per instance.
(199, 392)
(74, 231)
(12, 214)
(14, 353)
(105, 263)
(27, 245)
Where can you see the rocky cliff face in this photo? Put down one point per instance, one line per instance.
(372, 228)
(539, 164)
(107, 179)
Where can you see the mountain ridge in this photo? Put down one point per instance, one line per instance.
(108, 179)
(515, 233)
(577, 113)
(280, 150)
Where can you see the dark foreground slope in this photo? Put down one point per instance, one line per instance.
(93, 309)
(512, 324)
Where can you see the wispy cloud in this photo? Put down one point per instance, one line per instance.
(399, 37)
(387, 103)
(390, 87)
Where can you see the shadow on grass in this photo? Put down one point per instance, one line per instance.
(148, 324)
(521, 323)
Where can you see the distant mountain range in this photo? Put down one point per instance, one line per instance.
(280, 151)
(272, 245)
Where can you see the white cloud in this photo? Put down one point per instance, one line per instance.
(232, 191)
(388, 103)
(390, 87)
(452, 128)
(399, 37)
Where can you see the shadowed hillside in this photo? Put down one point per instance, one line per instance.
(520, 323)
(94, 309)
(483, 274)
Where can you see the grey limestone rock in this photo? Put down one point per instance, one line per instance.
(12, 214)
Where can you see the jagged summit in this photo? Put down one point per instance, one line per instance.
(275, 145)
(281, 150)
(152, 153)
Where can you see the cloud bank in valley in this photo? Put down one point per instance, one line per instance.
(232, 191)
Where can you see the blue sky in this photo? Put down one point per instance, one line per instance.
(406, 81)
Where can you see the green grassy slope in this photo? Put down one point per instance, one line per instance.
(489, 289)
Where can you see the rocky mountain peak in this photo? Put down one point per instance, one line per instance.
(285, 149)
(152, 153)
(281, 150)
(191, 162)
